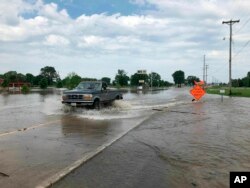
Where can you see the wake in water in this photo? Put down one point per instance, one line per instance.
(118, 110)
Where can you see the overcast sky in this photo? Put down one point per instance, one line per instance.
(96, 38)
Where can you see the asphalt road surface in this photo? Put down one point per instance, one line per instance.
(152, 139)
(188, 145)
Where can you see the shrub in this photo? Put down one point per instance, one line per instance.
(25, 89)
(43, 83)
(59, 84)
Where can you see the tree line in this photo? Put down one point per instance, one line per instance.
(242, 82)
(48, 76)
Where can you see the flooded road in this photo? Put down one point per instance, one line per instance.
(189, 143)
(18, 111)
(40, 137)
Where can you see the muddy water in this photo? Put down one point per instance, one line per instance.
(189, 145)
(38, 108)
(202, 142)
(40, 137)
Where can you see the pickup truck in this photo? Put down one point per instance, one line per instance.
(91, 93)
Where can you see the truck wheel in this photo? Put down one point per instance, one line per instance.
(97, 105)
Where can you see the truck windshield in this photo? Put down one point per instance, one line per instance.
(89, 85)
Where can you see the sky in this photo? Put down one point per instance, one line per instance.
(96, 38)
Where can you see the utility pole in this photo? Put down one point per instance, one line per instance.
(206, 72)
(230, 23)
(204, 60)
(151, 80)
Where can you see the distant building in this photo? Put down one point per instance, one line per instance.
(142, 83)
(141, 72)
(1, 81)
(16, 86)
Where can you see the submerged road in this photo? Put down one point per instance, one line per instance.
(189, 145)
(153, 139)
(40, 139)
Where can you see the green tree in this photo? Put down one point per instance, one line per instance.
(72, 80)
(37, 80)
(49, 73)
(59, 83)
(20, 77)
(25, 89)
(134, 79)
(114, 83)
(107, 80)
(167, 84)
(246, 81)
(89, 79)
(1, 77)
(248, 74)
(237, 83)
(43, 83)
(121, 78)
(179, 77)
(30, 78)
(10, 76)
(5, 83)
(191, 79)
(163, 83)
(156, 78)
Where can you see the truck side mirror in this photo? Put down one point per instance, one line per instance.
(104, 86)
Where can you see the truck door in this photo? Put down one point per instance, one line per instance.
(104, 92)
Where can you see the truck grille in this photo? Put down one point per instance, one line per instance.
(74, 97)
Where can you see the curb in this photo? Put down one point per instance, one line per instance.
(58, 176)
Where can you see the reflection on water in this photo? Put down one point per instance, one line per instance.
(84, 127)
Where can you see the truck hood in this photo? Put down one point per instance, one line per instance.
(76, 91)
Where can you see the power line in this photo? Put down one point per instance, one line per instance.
(243, 26)
(219, 69)
(241, 48)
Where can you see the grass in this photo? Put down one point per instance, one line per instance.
(236, 91)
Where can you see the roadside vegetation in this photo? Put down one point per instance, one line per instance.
(236, 91)
(25, 89)
(240, 87)
(49, 77)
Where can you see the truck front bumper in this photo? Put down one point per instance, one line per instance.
(78, 103)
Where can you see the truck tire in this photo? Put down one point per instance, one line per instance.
(97, 105)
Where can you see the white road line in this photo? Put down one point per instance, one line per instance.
(28, 128)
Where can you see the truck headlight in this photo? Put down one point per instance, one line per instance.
(64, 97)
(87, 97)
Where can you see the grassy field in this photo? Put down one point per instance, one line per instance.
(236, 91)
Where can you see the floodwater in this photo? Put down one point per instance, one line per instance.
(40, 137)
(19, 111)
(188, 145)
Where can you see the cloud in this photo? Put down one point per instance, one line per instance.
(175, 34)
(138, 2)
(51, 11)
(56, 40)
